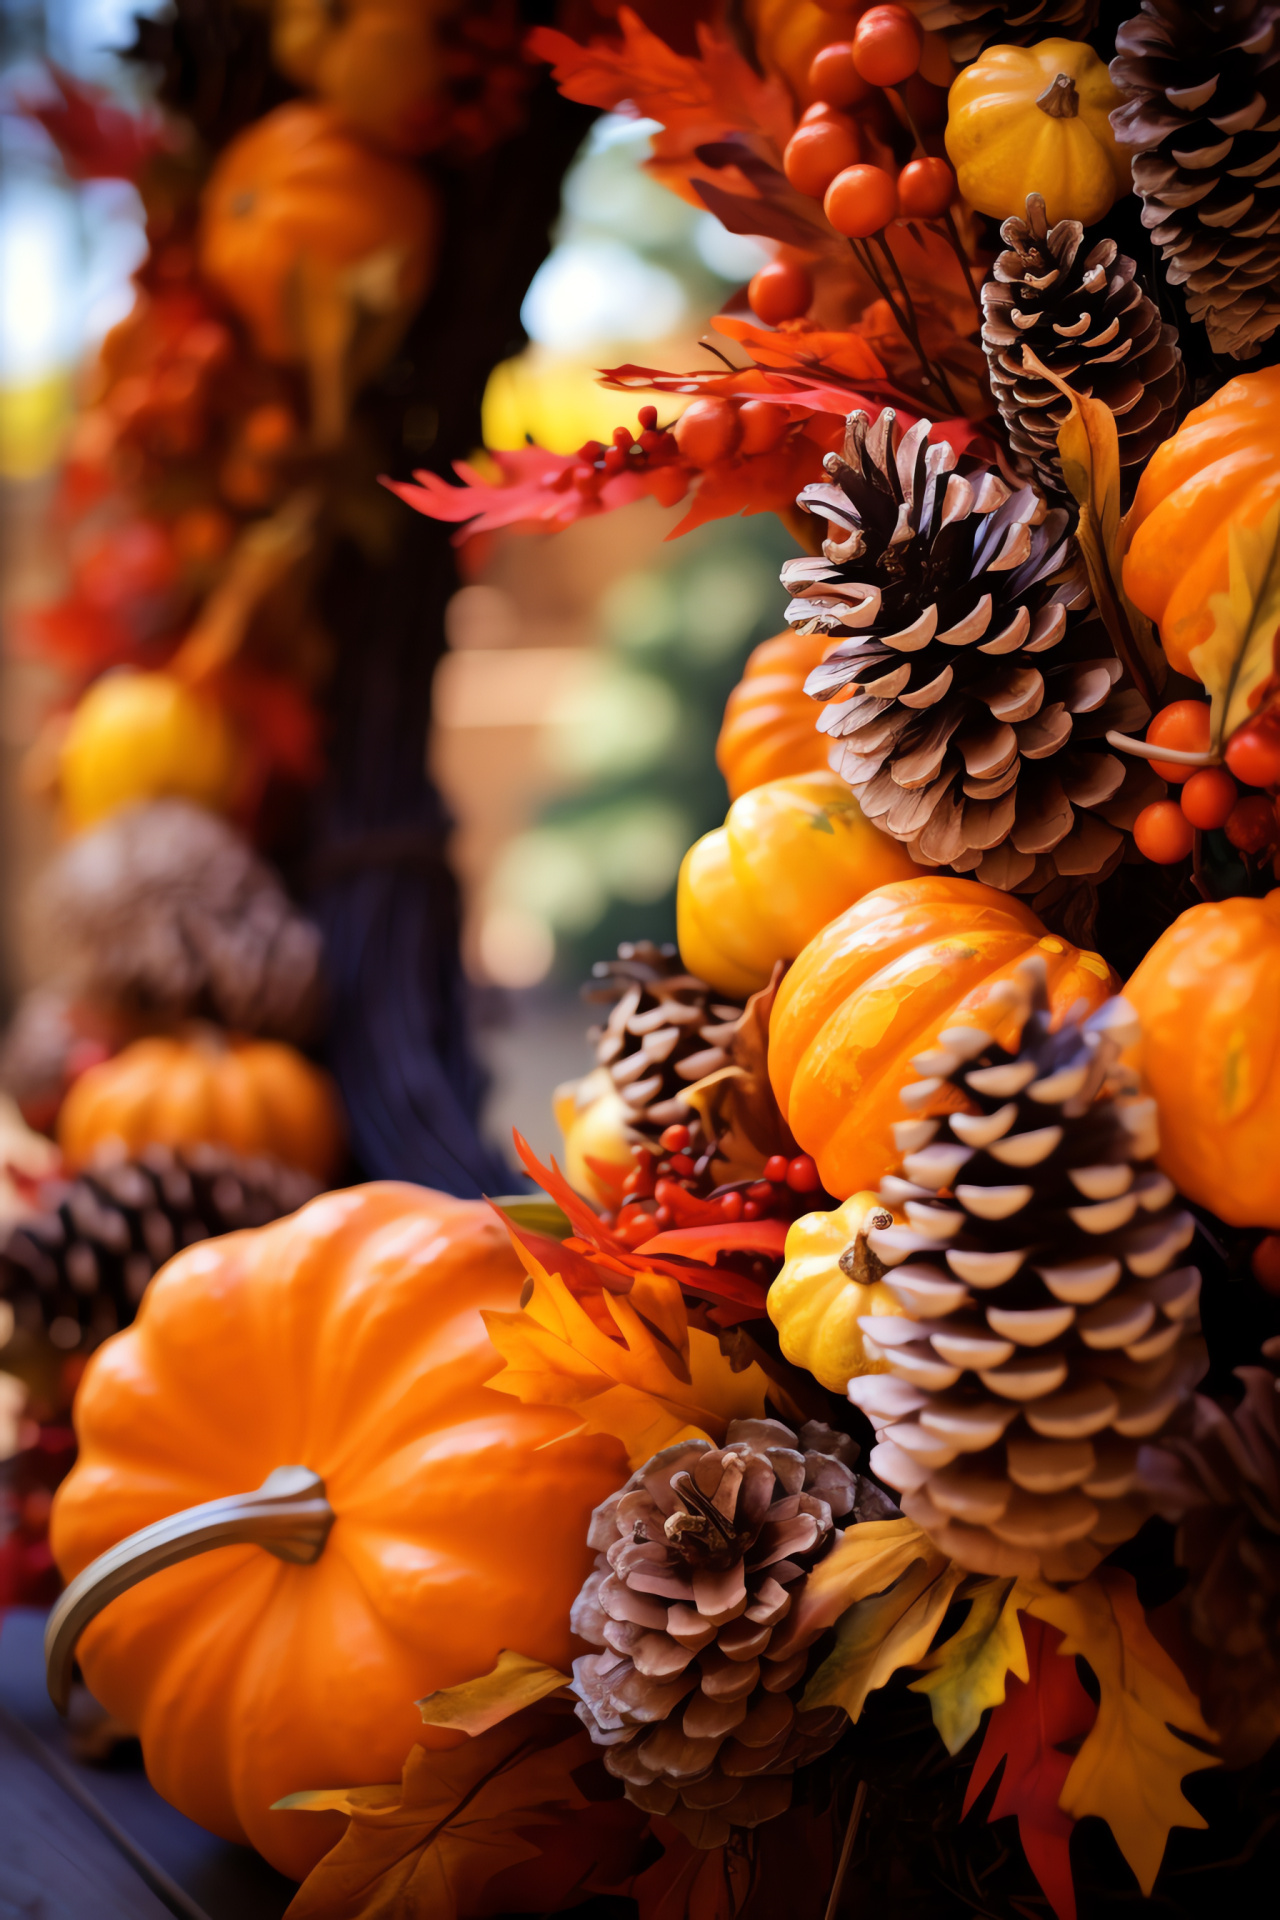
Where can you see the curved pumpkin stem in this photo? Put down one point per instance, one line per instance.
(288, 1515)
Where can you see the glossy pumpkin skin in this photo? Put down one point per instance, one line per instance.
(769, 731)
(254, 1096)
(1208, 997)
(815, 1305)
(1221, 469)
(143, 736)
(347, 1338)
(789, 857)
(295, 191)
(375, 62)
(877, 986)
(1004, 146)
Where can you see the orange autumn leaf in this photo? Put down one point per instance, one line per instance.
(802, 346)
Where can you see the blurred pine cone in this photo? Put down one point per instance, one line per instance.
(1085, 319)
(971, 25)
(663, 1032)
(80, 1264)
(165, 909)
(1203, 87)
(1050, 1330)
(969, 704)
(699, 1560)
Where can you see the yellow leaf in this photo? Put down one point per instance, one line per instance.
(967, 1673)
(1239, 656)
(881, 1634)
(867, 1558)
(645, 1390)
(1130, 1769)
(1089, 450)
(476, 1705)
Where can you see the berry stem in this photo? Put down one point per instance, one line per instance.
(957, 247)
(913, 327)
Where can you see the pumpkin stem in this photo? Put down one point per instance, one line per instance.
(288, 1515)
(1060, 99)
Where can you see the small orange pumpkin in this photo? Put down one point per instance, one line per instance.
(877, 986)
(1220, 470)
(254, 1096)
(376, 62)
(770, 724)
(347, 1339)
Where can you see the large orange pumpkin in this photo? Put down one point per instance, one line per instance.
(254, 1096)
(877, 986)
(376, 62)
(770, 726)
(1220, 470)
(1208, 997)
(347, 1339)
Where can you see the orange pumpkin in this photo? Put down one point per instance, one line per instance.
(1220, 470)
(254, 1096)
(770, 724)
(376, 62)
(346, 1339)
(1208, 997)
(877, 986)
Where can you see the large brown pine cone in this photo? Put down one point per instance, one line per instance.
(1086, 319)
(1202, 120)
(969, 704)
(665, 1030)
(1050, 1330)
(971, 25)
(700, 1558)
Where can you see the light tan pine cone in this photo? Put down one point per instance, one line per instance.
(700, 1558)
(665, 1030)
(1051, 1328)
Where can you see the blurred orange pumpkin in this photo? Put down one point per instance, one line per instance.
(347, 1339)
(376, 62)
(254, 1096)
(877, 986)
(770, 724)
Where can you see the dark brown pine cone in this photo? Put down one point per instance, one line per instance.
(1222, 1484)
(81, 1264)
(971, 25)
(1085, 319)
(1202, 120)
(968, 706)
(700, 1558)
(664, 1031)
(1050, 1330)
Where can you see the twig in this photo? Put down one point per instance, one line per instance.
(846, 1851)
(938, 370)
(957, 247)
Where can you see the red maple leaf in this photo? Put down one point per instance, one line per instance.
(1028, 1731)
(97, 139)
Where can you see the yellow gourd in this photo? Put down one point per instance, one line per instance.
(1026, 120)
(790, 856)
(141, 736)
(593, 1118)
(828, 1278)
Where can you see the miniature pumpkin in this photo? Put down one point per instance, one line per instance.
(254, 1096)
(143, 736)
(789, 857)
(877, 986)
(593, 1119)
(1026, 120)
(1208, 997)
(346, 1339)
(1221, 469)
(376, 62)
(770, 726)
(830, 1276)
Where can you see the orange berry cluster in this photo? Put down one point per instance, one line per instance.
(1211, 797)
(663, 1190)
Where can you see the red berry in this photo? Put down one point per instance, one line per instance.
(926, 188)
(763, 426)
(887, 43)
(1251, 824)
(1184, 726)
(760, 1190)
(663, 1217)
(681, 1165)
(708, 431)
(781, 291)
(818, 151)
(1253, 755)
(861, 201)
(834, 79)
(648, 418)
(751, 1209)
(775, 1168)
(1266, 1262)
(1208, 797)
(1163, 833)
(802, 1175)
(674, 1139)
(731, 1206)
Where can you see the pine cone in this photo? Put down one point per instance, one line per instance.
(699, 1559)
(1223, 1485)
(971, 25)
(167, 909)
(81, 1264)
(1085, 319)
(663, 1032)
(1201, 118)
(1033, 1363)
(969, 704)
